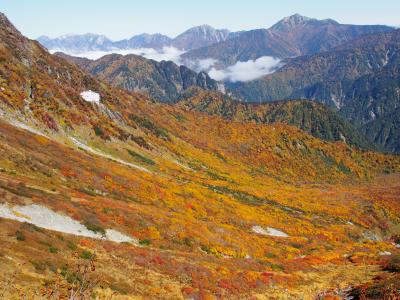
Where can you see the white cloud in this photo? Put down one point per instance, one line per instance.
(205, 64)
(246, 71)
(201, 64)
(167, 53)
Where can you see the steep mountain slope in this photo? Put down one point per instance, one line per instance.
(163, 81)
(360, 78)
(212, 208)
(385, 131)
(292, 36)
(307, 115)
(44, 89)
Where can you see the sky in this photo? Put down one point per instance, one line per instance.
(120, 19)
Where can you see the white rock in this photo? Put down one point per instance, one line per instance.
(26, 127)
(269, 231)
(118, 237)
(91, 96)
(385, 253)
(221, 88)
(45, 218)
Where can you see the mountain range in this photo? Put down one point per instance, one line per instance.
(292, 36)
(192, 38)
(351, 68)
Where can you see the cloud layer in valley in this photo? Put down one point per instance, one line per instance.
(241, 71)
(246, 71)
(201, 64)
(166, 53)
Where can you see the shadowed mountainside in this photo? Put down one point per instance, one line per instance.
(360, 78)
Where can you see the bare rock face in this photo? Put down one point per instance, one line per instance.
(164, 81)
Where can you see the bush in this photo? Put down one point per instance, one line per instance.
(270, 255)
(94, 227)
(98, 131)
(295, 245)
(145, 242)
(393, 265)
(20, 236)
(180, 117)
(396, 239)
(71, 246)
(141, 142)
(140, 157)
(276, 267)
(188, 242)
(86, 254)
(53, 249)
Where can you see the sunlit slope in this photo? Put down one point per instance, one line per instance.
(191, 221)
(219, 209)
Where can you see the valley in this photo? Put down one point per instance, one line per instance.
(128, 178)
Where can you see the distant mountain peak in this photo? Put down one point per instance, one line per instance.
(297, 18)
(205, 29)
(149, 36)
(293, 21)
(202, 27)
(199, 36)
(145, 34)
(145, 40)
